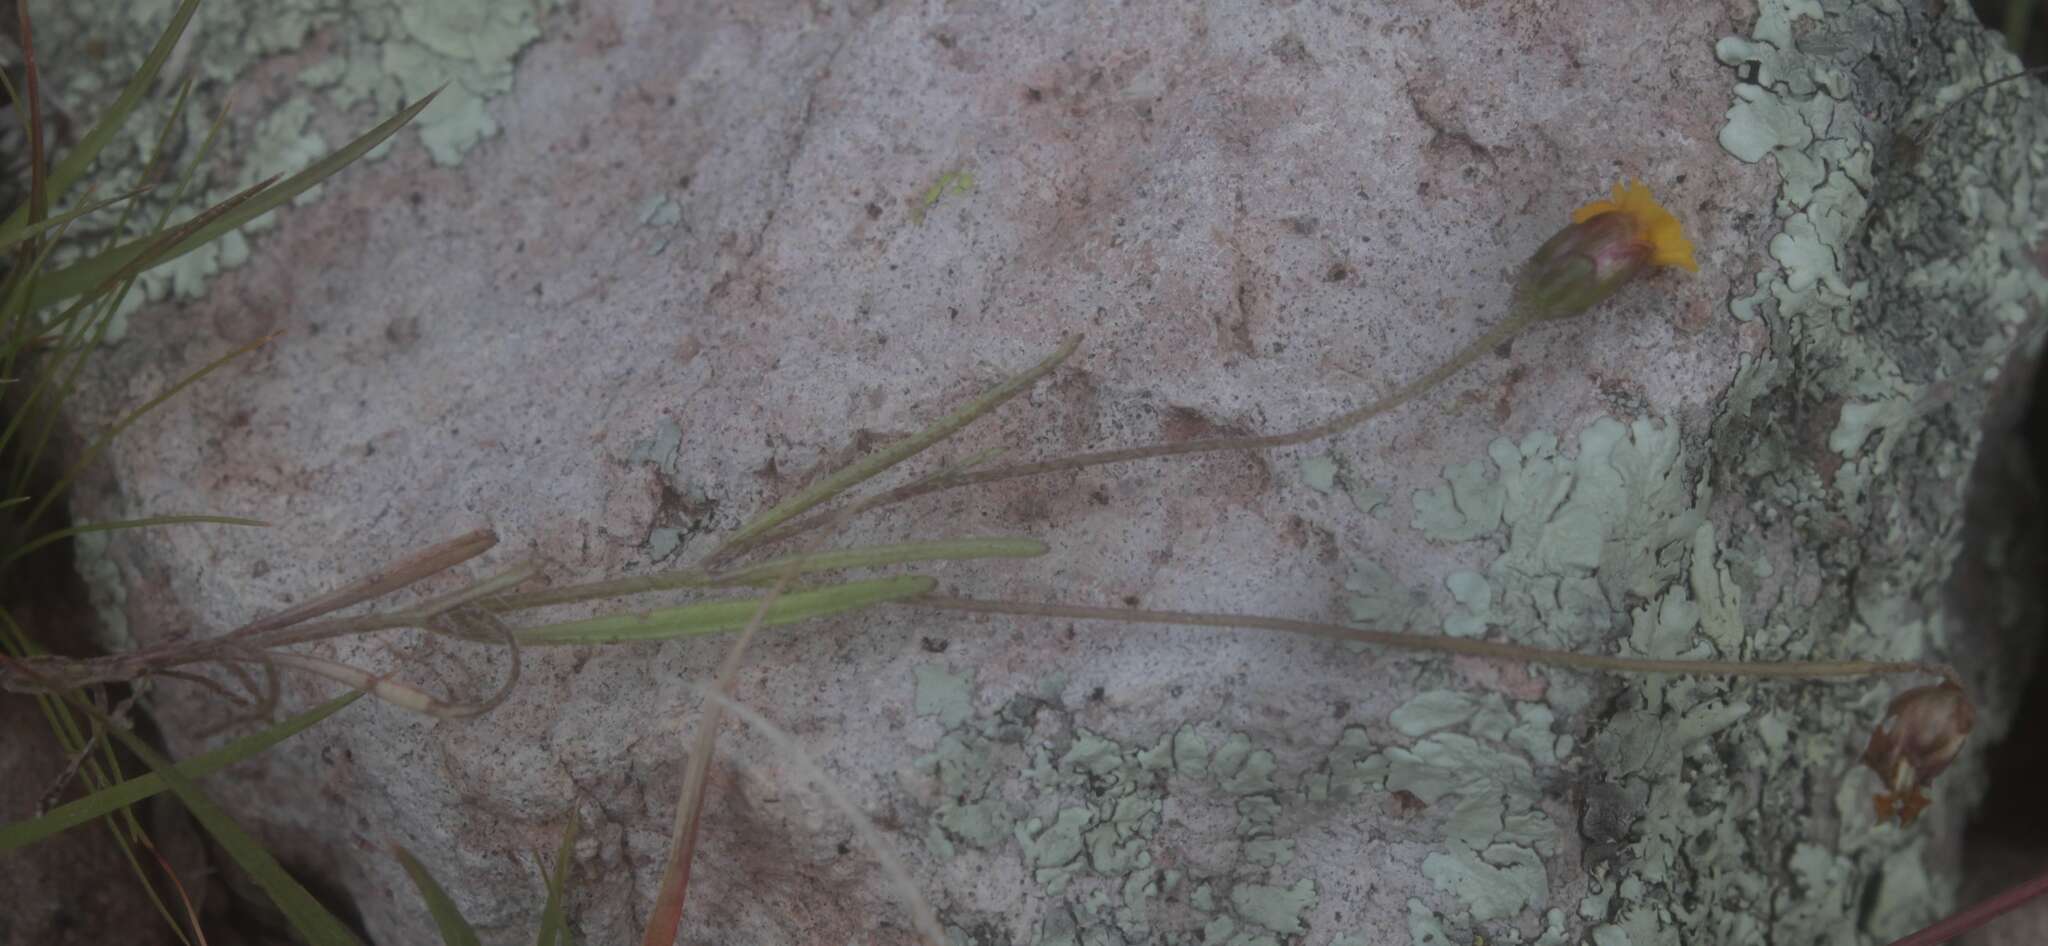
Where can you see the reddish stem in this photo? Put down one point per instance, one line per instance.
(1978, 914)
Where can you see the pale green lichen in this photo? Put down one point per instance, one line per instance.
(1475, 593)
(660, 213)
(948, 696)
(1426, 713)
(382, 54)
(1377, 599)
(1654, 536)
(1330, 472)
(1083, 815)
(1320, 473)
(1277, 909)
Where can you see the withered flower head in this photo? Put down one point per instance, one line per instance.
(1608, 243)
(1922, 731)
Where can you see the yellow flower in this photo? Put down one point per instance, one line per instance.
(1608, 244)
(1654, 224)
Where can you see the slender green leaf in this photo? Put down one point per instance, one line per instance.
(455, 931)
(119, 524)
(119, 795)
(158, 247)
(86, 274)
(711, 617)
(8, 238)
(99, 444)
(313, 921)
(867, 467)
(552, 915)
(82, 338)
(943, 550)
(69, 170)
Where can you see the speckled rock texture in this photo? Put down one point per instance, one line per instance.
(716, 249)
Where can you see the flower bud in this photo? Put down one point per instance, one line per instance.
(1608, 243)
(1922, 731)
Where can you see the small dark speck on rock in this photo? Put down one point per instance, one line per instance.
(1033, 96)
(934, 646)
(874, 211)
(1291, 50)
(1130, 601)
(1095, 695)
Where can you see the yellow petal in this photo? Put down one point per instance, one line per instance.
(1668, 244)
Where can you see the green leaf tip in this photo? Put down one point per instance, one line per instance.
(455, 931)
(113, 797)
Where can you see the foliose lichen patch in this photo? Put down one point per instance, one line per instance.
(362, 61)
(1898, 286)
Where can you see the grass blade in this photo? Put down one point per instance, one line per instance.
(39, 183)
(314, 923)
(552, 915)
(11, 236)
(868, 467)
(666, 917)
(711, 617)
(122, 794)
(92, 452)
(62, 534)
(86, 274)
(455, 931)
(943, 550)
(68, 171)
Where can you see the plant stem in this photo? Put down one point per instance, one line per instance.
(871, 466)
(1979, 913)
(1787, 669)
(1500, 334)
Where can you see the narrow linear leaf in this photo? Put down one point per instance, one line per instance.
(75, 163)
(552, 915)
(86, 274)
(119, 795)
(159, 247)
(119, 524)
(9, 236)
(314, 923)
(455, 931)
(943, 550)
(92, 451)
(868, 467)
(711, 617)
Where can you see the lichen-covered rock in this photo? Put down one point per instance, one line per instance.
(716, 245)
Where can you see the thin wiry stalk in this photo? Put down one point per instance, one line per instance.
(894, 454)
(397, 692)
(1979, 913)
(1786, 669)
(184, 899)
(431, 560)
(920, 910)
(667, 916)
(1494, 337)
